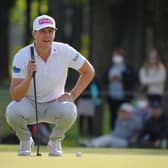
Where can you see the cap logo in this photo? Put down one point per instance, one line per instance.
(45, 21)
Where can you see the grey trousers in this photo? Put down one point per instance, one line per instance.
(109, 141)
(22, 113)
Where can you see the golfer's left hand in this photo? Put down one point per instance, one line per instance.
(66, 97)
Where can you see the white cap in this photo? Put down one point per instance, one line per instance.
(127, 107)
(42, 22)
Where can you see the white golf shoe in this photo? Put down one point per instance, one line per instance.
(25, 147)
(55, 148)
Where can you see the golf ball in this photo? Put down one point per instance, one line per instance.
(78, 154)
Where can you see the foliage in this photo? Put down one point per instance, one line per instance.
(4, 100)
(19, 9)
(77, 2)
(85, 45)
(43, 8)
(5, 7)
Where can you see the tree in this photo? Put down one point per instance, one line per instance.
(161, 34)
(68, 15)
(117, 23)
(5, 8)
(28, 28)
(161, 27)
(100, 34)
(56, 8)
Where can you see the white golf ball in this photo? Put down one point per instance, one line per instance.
(78, 154)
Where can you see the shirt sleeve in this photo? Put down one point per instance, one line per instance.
(76, 59)
(143, 76)
(18, 67)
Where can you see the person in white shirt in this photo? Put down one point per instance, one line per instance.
(153, 76)
(51, 63)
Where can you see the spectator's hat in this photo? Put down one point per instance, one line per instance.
(127, 107)
(44, 21)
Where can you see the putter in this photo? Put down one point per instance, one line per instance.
(36, 109)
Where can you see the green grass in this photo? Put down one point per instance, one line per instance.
(91, 158)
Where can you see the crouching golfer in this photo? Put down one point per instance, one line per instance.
(51, 63)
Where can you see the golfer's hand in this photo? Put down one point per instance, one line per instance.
(31, 68)
(66, 97)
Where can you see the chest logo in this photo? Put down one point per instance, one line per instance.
(76, 58)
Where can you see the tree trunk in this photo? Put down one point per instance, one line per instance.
(39, 7)
(161, 35)
(135, 31)
(100, 35)
(28, 29)
(161, 27)
(100, 46)
(4, 43)
(56, 10)
(4, 38)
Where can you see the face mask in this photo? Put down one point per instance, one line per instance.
(117, 59)
(142, 104)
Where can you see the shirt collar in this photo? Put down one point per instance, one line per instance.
(53, 50)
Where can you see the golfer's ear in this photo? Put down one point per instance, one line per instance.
(33, 34)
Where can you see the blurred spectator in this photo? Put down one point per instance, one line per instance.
(142, 108)
(155, 131)
(127, 126)
(120, 80)
(153, 76)
(87, 107)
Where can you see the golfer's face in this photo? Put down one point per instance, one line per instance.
(44, 37)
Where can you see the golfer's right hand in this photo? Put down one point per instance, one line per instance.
(31, 68)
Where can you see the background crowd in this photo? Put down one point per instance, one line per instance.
(135, 100)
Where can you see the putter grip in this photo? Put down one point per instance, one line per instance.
(32, 52)
(32, 56)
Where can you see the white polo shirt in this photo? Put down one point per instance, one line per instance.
(51, 75)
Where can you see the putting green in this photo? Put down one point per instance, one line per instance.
(91, 158)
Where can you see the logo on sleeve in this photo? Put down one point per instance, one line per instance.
(16, 69)
(76, 57)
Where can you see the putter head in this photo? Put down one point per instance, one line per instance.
(38, 154)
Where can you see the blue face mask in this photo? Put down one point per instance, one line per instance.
(142, 104)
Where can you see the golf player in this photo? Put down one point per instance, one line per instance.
(51, 63)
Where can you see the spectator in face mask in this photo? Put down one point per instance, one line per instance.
(120, 81)
(142, 109)
(154, 133)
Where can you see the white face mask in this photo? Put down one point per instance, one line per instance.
(117, 59)
(142, 104)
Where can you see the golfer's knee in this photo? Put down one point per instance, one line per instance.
(10, 113)
(70, 111)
